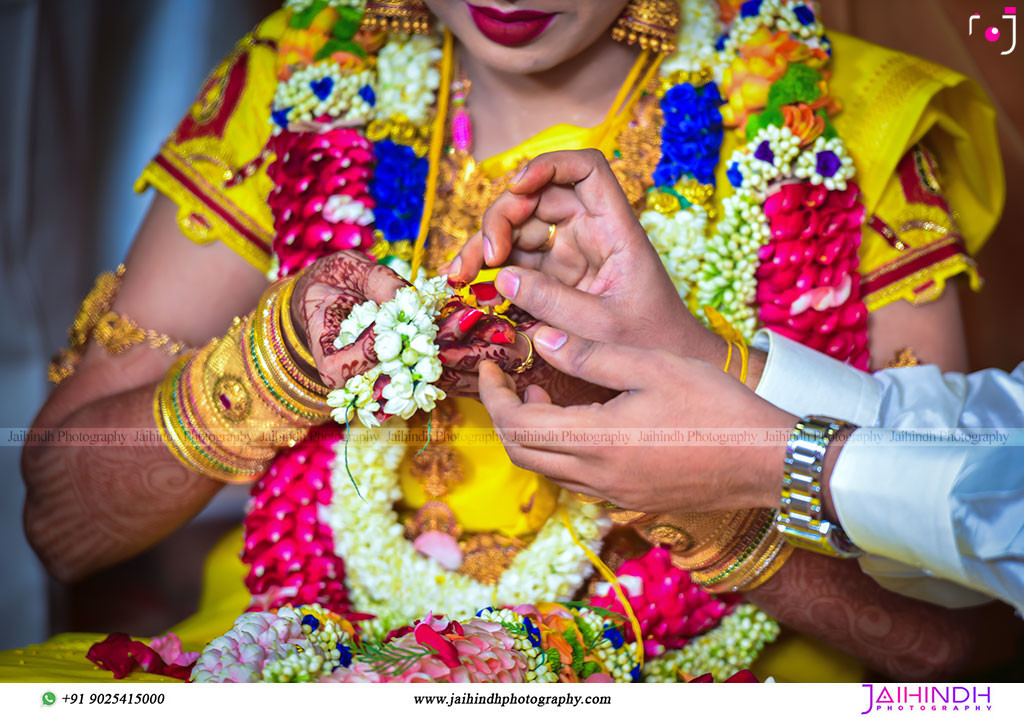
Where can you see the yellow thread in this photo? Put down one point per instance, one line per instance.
(608, 575)
(723, 328)
(436, 143)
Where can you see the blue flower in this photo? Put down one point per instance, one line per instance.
(827, 163)
(679, 96)
(750, 8)
(322, 87)
(614, 635)
(666, 174)
(691, 137)
(398, 187)
(313, 623)
(367, 93)
(720, 42)
(735, 175)
(635, 673)
(346, 654)
(532, 631)
(764, 152)
(280, 117)
(804, 14)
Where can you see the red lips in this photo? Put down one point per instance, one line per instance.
(510, 28)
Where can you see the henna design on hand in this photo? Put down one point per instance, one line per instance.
(834, 601)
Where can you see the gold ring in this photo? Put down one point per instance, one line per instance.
(527, 363)
(550, 241)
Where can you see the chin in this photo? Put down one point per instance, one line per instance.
(527, 37)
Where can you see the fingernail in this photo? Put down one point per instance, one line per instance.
(549, 338)
(469, 320)
(502, 338)
(507, 282)
(519, 175)
(488, 250)
(454, 266)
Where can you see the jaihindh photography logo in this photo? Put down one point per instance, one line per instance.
(931, 698)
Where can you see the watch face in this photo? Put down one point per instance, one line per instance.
(842, 544)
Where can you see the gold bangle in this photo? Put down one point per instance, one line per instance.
(742, 547)
(225, 410)
(267, 356)
(301, 350)
(183, 441)
(280, 347)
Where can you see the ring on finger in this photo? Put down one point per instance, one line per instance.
(527, 363)
(550, 241)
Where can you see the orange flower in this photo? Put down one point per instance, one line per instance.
(728, 10)
(803, 122)
(762, 60)
(299, 47)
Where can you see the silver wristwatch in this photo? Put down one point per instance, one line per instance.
(800, 519)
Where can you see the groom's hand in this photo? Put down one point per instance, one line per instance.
(599, 272)
(606, 451)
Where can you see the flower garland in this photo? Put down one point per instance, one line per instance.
(289, 551)
(381, 564)
(670, 607)
(729, 648)
(544, 643)
(769, 63)
(404, 332)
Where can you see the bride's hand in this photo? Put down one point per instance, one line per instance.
(328, 289)
(623, 293)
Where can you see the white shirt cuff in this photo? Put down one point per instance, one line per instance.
(802, 381)
(893, 500)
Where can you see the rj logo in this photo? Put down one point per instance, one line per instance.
(993, 33)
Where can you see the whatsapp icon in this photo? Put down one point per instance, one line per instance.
(49, 698)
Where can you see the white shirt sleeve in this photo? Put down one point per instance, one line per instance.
(919, 507)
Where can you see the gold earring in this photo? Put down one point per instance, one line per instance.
(651, 23)
(409, 16)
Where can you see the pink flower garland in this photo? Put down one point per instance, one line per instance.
(808, 280)
(321, 202)
(670, 607)
(290, 551)
(472, 651)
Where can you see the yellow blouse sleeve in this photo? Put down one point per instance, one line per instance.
(214, 164)
(929, 210)
(912, 242)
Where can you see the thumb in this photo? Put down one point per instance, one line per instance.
(620, 368)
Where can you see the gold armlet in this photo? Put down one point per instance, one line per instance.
(227, 409)
(114, 332)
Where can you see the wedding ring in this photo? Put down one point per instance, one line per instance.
(527, 363)
(550, 241)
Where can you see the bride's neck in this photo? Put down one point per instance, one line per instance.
(509, 108)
